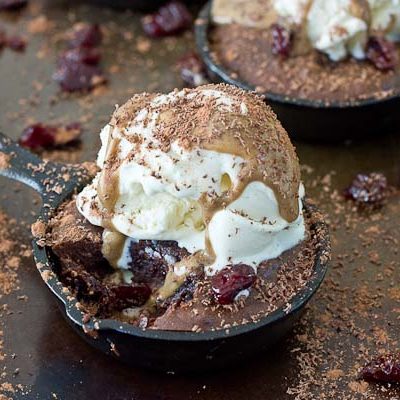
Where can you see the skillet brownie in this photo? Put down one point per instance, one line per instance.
(321, 50)
(196, 219)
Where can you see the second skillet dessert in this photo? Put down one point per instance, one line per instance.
(321, 50)
(195, 220)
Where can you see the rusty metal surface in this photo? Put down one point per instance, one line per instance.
(55, 363)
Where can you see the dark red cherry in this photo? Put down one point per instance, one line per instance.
(169, 19)
(382, 53)
(84, 55)
(227, 283)
(16, 43)
(38, 136)
(3, 39)
(11, 5)
(281, 40)
(47, 136)
(86, 35)
(134, 295)
(192, 70)
(368, 189)
(77, 76)
(385, 368)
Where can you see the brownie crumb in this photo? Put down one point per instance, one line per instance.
(38, 229)
(8, 263)
(4, 160)
(11, 254)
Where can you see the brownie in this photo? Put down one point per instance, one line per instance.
(75, 241)
(77, 245)
(247, 54)
(151, 259)
(193, 307)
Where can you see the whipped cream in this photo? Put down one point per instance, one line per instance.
(159, 194)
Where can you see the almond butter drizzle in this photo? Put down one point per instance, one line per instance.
(173, 281)
(108, 191)
(250, 172)
(108, 187)
(113, 246)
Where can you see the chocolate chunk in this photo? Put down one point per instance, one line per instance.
(151, 259)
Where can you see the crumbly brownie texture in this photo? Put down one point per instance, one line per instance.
(77, 245)
(71, 231)
(247, 53)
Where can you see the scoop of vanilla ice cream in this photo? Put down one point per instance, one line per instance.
(159, 192)
(255, 13)
(294, 11)
(251, 229)
(342, 27)
(338, 28)
(386, 17)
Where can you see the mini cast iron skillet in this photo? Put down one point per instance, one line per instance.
(161, 350)
(309, 119)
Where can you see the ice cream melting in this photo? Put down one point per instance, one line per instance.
(210, 168)
(337, 28)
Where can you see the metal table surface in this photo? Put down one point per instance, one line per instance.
(355, 315)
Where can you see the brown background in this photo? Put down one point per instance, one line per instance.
(355, 315)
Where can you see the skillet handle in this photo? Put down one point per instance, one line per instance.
(53, 181)
(21, 165)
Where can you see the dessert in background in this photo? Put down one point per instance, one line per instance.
(196, 219)
(315, 49)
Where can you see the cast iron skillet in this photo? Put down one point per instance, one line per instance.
(309, 119)
(161, 350)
